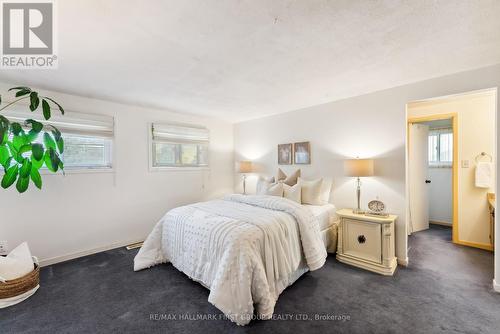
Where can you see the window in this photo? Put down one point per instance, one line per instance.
(88, 139)
(179, 146)
(441, 147)
(87, 151)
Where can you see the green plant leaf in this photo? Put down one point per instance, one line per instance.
(15, 153)
(35, 125)
(7, 163)
(52, 160)
(34, 101)
(18, 141)
(25, 169)
(4, 129)
(3, 136)
(20, 88)
(9, 177)
(60, 145)
(37, 150)
(55, 131)
(22, 183)
(37, 164)
(36, 178)
(4, 155)
(16, 128)
(25, 148)
(46, 109)
(4, 122)
(23, 92)
(49, 141)
(58, 105)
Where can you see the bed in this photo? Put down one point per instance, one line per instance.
(246, 249)
(328, 224)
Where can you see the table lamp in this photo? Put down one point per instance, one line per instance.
(358, 168)
(245, 167)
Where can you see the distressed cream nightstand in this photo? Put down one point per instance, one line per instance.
(367, 242)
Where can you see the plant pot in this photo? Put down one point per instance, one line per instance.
(16, 290)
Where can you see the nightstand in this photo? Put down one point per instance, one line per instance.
(367, 242)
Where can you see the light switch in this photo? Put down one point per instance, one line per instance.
(465, 163)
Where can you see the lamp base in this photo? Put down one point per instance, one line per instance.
(358, 211)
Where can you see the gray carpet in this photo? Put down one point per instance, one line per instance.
(446, 289)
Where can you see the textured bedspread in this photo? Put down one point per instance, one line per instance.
(245, 249)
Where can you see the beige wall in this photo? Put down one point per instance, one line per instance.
(476, 126)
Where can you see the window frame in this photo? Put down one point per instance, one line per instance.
(151, 153)
(19, 111)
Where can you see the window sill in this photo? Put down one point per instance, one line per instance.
(441, 166)
(78, 171)
(178, 169)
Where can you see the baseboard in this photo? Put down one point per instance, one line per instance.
(403, 262)
(437, 222)
(475, 245)
(67, 257)
(496, 286)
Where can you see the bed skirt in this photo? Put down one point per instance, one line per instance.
(329, 237)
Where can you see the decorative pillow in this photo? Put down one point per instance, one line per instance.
(290, 180)
(311, 191)
(275, 189)
(293, 193)
(281, 175)
(263, 183)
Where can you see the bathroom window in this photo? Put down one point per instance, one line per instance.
(441, 147)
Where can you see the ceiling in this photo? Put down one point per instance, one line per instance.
(238, 60)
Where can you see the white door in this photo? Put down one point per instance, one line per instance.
(418, 177)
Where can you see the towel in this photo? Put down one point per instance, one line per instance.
(484, 174)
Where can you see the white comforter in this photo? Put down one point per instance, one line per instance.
(245, 249)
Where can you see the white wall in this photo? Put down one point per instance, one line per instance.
(372, 125)
(440, 195)
(476, 134)
(77, 213)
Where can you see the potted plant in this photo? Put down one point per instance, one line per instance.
(27, 146)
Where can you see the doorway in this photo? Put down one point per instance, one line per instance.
(452, 139)
(433, 153)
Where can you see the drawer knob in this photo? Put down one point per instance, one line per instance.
(361, 239)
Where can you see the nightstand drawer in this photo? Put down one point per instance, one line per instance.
(363, 240)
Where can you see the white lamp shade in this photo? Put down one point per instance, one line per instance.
(245, 167)
(358, 167)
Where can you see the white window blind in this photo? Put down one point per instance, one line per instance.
(440, 147)
(88, 139)
(179, 146)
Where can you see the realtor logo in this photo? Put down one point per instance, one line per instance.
(28, 34)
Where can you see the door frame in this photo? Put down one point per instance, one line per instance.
(454, 166)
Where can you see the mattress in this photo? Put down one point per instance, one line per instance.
(326, 214)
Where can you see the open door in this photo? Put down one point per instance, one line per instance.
(418, 177)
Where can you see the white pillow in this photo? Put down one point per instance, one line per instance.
(311, 191)
(326, 190)
(17, 264)
(293, 193)
(275, 189)
(262, 184)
